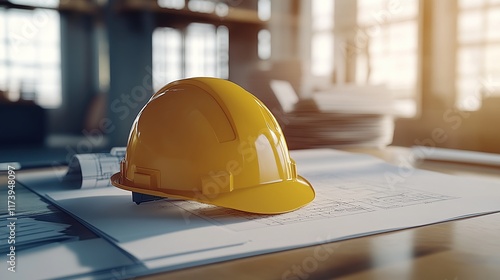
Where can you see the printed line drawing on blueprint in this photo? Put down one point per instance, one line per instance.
(340, 199)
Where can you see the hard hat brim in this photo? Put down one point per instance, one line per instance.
(272, 198)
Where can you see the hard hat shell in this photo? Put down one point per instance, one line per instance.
(209, 140)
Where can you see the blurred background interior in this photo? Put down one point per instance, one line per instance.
(74, 74)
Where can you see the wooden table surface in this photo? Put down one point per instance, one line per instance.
(463, 249)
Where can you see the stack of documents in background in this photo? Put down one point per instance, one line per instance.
(315, 129)
(337, 118)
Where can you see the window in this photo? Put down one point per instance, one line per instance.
(30, 55)
(264, 47)
(387, 45)
(264, 9)
(37, 3)
(367, 43)
(167, 56)
(205, 53)
(264, 35)
(171, 4)
(478, 52)
(322, 37)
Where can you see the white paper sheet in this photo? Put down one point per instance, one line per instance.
(147, 231)
(59, 260)
(357, 195)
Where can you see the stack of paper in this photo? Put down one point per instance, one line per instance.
(339, 118)
(317, 129)
(31, 233)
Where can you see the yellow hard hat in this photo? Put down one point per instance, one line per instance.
(209, 140)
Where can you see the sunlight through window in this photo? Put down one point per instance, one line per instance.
(478, 52)
(30, 66)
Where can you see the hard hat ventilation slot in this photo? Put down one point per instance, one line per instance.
(147, 178)
(217, 182)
